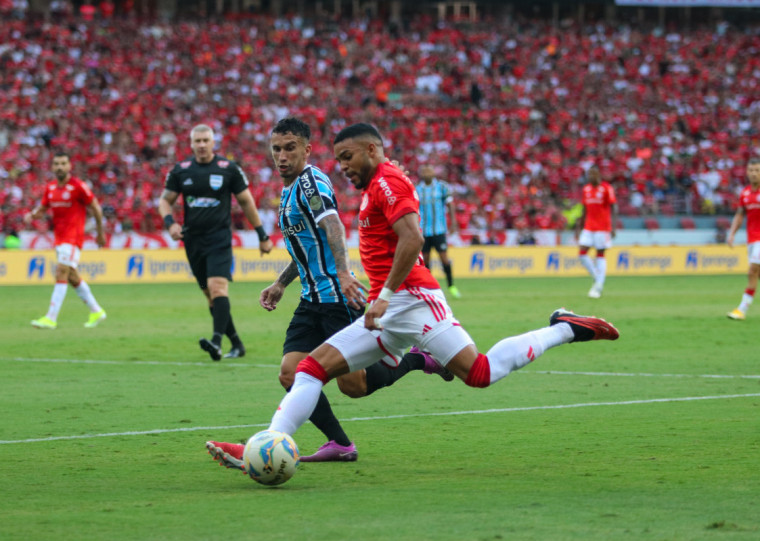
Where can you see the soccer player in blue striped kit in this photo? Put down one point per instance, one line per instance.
(436, 202)
(331, 297)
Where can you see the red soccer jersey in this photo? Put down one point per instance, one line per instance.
(69, 205)
(388, 196)
(750, 201)
(598, 201)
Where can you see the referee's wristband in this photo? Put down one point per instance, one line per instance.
(385, 294)
(262, 234)
(168, 221)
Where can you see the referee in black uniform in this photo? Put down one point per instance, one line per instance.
(206, 183)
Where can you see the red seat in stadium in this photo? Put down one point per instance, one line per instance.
(651, 224)
(688, 223)
(722, 222)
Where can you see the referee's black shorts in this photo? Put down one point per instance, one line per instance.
(209, 255)
(313, 323)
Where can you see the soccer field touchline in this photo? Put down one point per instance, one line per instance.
(258, 365)
(152, 363)
(386, 417)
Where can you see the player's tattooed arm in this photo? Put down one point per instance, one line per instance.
(351, 288)
(336, 239)
(272, 294)
(288, 274)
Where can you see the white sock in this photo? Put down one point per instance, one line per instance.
(515, 352)
(83, 290)
(601, 271)
(588, 265)
(298, 405)
(56, 299)
(746, 301)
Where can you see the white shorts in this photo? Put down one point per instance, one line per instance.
(600, 240)
(68, 255)
(416, 316)
(753, 252)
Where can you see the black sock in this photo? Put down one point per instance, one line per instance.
(220, 311)
(381, 375)
(231, 331)
(324, 419)
(232, 334)
(449, 277)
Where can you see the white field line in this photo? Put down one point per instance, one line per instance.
(152, 363)
(644, 374)
(385, 417)
(260, 365)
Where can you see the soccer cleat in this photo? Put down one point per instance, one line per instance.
(44, 323)
(212, 349)
(733, 314)
(229, 455)
(431, 365)
(235, 353)
(454, 292)
(595, 292)
(95, 318)
(585, 328)
(332, 452)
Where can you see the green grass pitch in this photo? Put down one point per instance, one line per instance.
(655, 436)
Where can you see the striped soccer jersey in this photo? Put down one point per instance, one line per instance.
(309, 199)
(433, 200)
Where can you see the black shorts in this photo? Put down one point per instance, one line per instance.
(313, 323)
(209, 255)
(435, 241)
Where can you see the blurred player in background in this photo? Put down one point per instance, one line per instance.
(408, 306)
(207, 182)
(331, 297)
(69, 198)
(596, 227)
(749, 206)
(436, 201)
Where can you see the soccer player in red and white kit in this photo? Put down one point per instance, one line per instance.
(408, 306)
(596, 227)
(69, 198)
(749, 205)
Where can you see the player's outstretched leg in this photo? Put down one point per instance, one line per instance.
(229, 455)
(585, 328)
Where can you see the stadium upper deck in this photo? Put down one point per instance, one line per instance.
(510, 111)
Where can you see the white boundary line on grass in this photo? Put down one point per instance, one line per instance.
(385, 417)
(152, 363)
(259, 365)
(643, 374)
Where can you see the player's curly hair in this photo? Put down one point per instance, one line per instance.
(297, 127)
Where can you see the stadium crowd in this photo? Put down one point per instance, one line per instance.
(511, 112)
